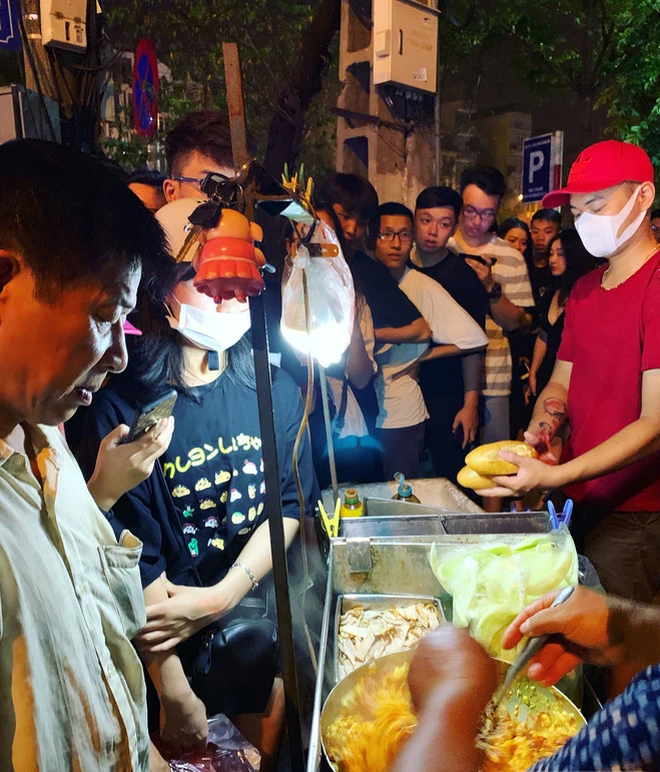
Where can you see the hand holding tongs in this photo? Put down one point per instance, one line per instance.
(532, 647)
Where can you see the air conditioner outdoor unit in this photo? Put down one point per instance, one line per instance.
(405, 46)
(64, 23)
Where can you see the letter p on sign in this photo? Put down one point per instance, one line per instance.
(535, 163)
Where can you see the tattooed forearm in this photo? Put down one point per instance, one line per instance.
(549, 415)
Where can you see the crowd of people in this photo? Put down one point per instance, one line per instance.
(121, 558)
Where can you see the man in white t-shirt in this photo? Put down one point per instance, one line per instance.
(503, 273)
(402, 411)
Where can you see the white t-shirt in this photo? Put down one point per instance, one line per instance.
(510, 271)
(400, 401)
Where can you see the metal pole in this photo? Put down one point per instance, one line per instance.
(277, 543)
(328, 434)
(268, 437)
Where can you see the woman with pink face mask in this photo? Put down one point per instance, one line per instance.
(201, 515)
(568, 261)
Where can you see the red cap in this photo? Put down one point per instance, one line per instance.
(603, 166)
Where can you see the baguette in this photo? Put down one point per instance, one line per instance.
(468, 478)
(486, 459)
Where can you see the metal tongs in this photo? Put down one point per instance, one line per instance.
(532, 647)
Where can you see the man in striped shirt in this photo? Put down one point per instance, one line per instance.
(503, 273)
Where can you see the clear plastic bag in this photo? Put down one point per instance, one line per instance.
(226, 751)
(491, 583)
(331, 298)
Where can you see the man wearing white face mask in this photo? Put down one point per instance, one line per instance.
(606, 383)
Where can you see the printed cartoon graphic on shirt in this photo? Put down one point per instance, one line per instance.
(213, 479)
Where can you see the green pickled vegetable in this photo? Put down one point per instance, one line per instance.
(491, 583)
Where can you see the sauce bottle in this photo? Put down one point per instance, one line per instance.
(352, 506)
(404, 492)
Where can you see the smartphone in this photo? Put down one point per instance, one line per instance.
(478, 258)
(147, 417)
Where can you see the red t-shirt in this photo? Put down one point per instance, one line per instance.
(611, 337)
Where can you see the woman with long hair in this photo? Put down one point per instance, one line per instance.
(201, 515)
(568, 260)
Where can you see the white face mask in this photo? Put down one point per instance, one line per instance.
(211, 330)
(599, 231)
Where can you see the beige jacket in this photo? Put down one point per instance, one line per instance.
(72, 693)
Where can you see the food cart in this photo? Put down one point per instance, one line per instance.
(384, 556)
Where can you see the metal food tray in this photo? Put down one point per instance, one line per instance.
(373, 600)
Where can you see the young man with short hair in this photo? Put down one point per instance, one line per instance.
(198, 145)
(544, 226)
(451, 386)
(503, 273)
(606, 382)
(74, 244)
(353, 202)
(402, 410)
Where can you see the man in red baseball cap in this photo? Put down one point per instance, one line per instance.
(606, 384)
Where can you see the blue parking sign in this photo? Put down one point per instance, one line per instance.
(10, 36)
(537, 168)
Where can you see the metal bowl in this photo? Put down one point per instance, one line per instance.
(526, 696)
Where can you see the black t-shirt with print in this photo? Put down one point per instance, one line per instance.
(212, 473)
(215, 475)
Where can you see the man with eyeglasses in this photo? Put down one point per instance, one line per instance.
(402, 411)
(503, 273)
(198, 145)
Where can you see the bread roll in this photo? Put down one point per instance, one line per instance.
(486, 458)
(468, 478)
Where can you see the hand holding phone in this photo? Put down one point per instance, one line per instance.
(146, 418)
(123, 462)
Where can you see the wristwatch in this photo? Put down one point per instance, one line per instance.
(496, 293)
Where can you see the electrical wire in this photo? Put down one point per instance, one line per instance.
(296, 471)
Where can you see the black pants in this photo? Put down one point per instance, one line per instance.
(444, 445)
(402, 449)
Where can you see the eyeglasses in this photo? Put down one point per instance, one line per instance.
(405, 237)
(482, 214)
(191, 180)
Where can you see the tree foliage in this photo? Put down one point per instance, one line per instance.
(598, 53)
(188, 37)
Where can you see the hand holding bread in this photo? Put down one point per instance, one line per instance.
(484, 462)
